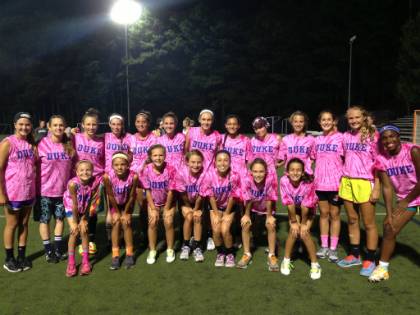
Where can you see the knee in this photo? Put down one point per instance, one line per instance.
(324, 216)
(188, 217)
(370, 226)
(197, 218)
(271, 226)
(225, 230)
(168, 220)
(353, 220)
(335, 217)
(389, 233)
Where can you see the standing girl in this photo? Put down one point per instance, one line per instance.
(298, 194)
(328, 154)
(158, 181)
(17, 189)
(120, 186)
(173, 142)
(55, 152)
(260, 195)
(359, 188)
(77, 197)
(399, 169)
(223, 188)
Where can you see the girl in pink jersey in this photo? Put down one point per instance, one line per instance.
(17, 189)
(189, 183)
(298, 144)
(76, 199)
(328, 154)
(158, 181)
(298, 194)
(399, 169)
(359, 187)
(223, 188)
(173, 142)
(260, 194)
(55, 153)
(120, 186)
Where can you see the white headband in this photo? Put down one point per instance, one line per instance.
(120, 155)
(116, 116)
(204, 111)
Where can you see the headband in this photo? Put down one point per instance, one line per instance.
(204, 111)
(22, 115)
(120, 155)
(260, 122)
(115, 116)
(389, 127)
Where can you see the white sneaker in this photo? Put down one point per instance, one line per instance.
(185, 253)
(210, 244)
(198, 255)
(151, 258)
(315, 272)
(170, 255)
(286, 267)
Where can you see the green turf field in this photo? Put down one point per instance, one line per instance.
(187, 287)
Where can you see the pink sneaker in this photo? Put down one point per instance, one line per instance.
(85, 269)
(71, 270)
(230, 261)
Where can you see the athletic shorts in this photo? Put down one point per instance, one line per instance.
(234, 208)
(330, 196)
(356, 190)
(112, 210)
(413, 208)
(18, 205)
(46, 207)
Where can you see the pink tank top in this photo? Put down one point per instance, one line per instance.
(83, 194)
(239, 149)
(55, 167)
(260, 194)
(174, 148)
(114, 144)
(206, 144)
(121, 187)
(159, 184)
(139, 148)
(293, 146)
(303, 195)
(266, 149)
(185, 182)
(20, 170)
(91, 150)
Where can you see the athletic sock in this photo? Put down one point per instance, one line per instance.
(72, 258)
(85, 256)
(324, 241)
(9, 253)
(195, 244)
(333, 242)
(21, 252)
(286, 260)
(314, 265)
(370, 255)
(58, 242)
(220, 250)
(384, 264)
(229, 250)
(47, 246)
(355, 250)
(186, 243)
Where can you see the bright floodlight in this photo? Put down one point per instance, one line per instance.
(126, 12)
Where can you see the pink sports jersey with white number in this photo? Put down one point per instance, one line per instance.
(302, 195)
(222, 188)
(206, 144)
(20, 170)
(55, 167)
(174, 148)
(239, 149)
(192, 185)
(83, 194)
(401, 171)
(139, 148)
(260, 194)
(114, 144)
(293, 146)
(159, 184)
(359, 158)
(121, 187)
(328, 153)
(266, 149)
(91, 150)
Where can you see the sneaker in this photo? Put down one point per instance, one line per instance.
(349, 261)
(60, 256)
(85, 269)
(198, 255)
(286, 267)
(244, 262)
(230, 261)
(71, 270)
(51, 258)
(210, 244)
(185, 253)
(129, 262)
(24, 263)
(151, 258)
(379, 274)
(170, 256)
(220, 260)
(333, 255)
(367, 268)
(273, 263)
(322, 252)
(115, 263)
(315, 272)
(11, 265)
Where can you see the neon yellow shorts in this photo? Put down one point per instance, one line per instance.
(356, 190)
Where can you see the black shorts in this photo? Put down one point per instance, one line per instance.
(330, 196)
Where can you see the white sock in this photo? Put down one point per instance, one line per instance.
(248, 254)
(384, 264)
(286, 260)
(314, 265)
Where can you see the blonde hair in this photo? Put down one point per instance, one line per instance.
(299, 113)
(367, 131)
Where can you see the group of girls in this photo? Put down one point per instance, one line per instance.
(215, 181)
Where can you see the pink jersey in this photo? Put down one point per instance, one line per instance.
(114, 144)
(121, 187)
(139, 148)
(19, 175)
(91, 150)
(239, 149)
(159, 184)
(328, 156)
(359, 158)
(206, 144)
(302, 195)
(266, 149)
(260, 194)
(401, 171)
(83, 194)
(293, 146)
(222, 188)
(55, 167)
(185, 182)
(174, 148)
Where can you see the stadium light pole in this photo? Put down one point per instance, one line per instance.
(352, 39)
(126, 12)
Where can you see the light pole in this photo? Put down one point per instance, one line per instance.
(352, 39)
(126, 12)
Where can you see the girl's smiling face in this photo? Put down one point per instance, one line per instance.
(23, 127)
(206, 121)
(259, 172)
(195, 164)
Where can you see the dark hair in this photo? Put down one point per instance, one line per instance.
(259, 161)
(171, 115)
(222, 152)
(300, 113)
(305, 176)
(233, 116)
(91, 112)
(147, 115)
(149, 151)
(65, 140)
(189, 154)
(326, 111)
